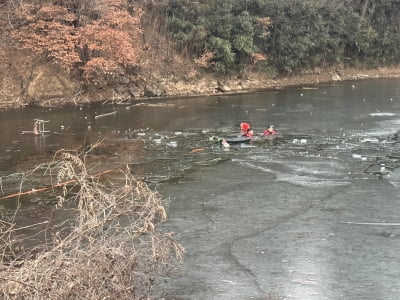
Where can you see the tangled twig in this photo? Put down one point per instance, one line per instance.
(112, 249)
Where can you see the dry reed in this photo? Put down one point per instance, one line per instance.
(112, 250)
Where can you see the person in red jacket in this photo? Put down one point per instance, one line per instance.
(249, 133)
(244, 128)
(270, 130)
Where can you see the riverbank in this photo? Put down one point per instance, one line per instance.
(210, 85)
(46, 85)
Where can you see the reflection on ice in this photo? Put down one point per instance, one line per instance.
(311, 181)
(311, 174)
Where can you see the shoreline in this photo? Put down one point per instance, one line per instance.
(212, 85)
(209, 85)
(261, 83)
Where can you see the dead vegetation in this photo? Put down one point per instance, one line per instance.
(111, 250)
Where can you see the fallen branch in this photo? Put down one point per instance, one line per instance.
(105, 115)
(50, 187)
(29, 226)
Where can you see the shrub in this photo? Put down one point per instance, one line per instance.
(112, 249)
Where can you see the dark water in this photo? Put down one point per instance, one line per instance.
(312, 214)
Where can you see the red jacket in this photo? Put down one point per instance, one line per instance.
(248, 134)
(266, 132)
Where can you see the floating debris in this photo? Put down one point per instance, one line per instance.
(382, 114)
(299, 141)
(155, 104)
(172, 144)
(38, 127)
(105, 115)
(370, 140)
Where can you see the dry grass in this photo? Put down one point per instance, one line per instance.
(113, 249)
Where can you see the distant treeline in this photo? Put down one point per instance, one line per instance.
(106, 38)
(286, 36)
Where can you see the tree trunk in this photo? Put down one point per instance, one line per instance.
(363, 11)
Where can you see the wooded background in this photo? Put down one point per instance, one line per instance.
(106, 39)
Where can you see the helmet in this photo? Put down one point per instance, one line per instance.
(244, 126)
